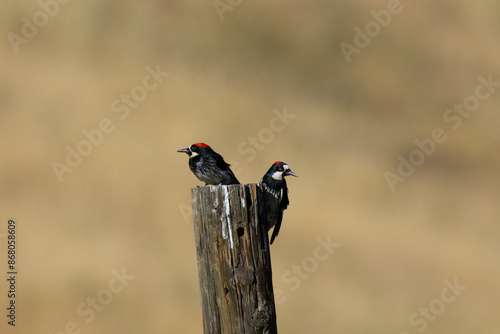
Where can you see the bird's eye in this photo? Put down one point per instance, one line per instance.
(281, 169)
(193, 148)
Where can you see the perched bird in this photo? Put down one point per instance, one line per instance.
(275, 195)
(208, 165)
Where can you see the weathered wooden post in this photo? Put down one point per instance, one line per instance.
(234, 264)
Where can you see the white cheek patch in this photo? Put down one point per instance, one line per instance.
(277, 175)
(193, 154)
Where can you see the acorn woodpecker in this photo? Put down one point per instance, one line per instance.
(275, 194)
(209, 166)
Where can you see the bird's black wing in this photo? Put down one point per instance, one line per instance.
(276, 229)
(220, 161)
(284, 205)
(285, 201)
(224, 166)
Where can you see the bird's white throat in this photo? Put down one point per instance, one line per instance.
(277, 176)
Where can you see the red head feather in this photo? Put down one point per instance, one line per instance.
(201, 145)
(277, 163)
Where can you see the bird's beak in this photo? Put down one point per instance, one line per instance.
(185, 150)
(289, 172)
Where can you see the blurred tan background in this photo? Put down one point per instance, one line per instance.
(126, 205)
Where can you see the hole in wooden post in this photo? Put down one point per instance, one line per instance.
(240, 231)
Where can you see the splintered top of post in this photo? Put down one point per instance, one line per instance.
(214, 188)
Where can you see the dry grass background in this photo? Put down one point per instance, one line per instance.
(121, 206)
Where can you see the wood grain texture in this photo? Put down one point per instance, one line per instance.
(234, 264)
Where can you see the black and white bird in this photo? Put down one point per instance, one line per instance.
(275, 195)
(208, 165)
